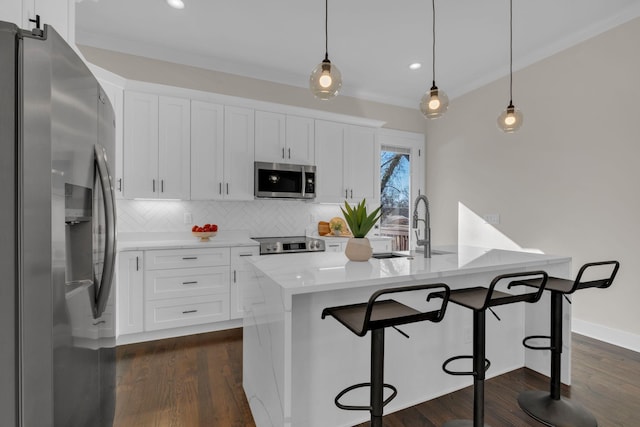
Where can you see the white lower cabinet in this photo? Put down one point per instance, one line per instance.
(185, 287)
(334, 246)
(130, 293)
(242, 274)
(172, 288)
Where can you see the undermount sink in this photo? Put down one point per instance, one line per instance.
(385, 255)
(418, 253)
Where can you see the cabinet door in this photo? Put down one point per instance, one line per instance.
(238, 153)
(361, 164)
(129, 293)
(334, 246)
(174, 142)
(207, 150)
(270, 137)
(243, 275)
(140, 145)
(330, 161)
(300, 140)
(54, 13)
(11, 11)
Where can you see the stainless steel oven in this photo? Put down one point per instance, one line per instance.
(284, 181)
(287, 245)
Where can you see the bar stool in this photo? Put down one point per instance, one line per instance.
(551, 408)
(479, 299)
(375, 316)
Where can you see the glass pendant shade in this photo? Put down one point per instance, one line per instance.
(325, 80)
(510, 120)
(434, 103)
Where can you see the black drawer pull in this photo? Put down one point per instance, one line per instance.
(189, 311)
(194, 282)
(249, 254)
(189, 257)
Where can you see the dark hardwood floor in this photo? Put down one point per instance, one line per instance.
(196, 381)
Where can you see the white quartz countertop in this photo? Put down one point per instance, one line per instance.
(316, 272)
(181, 240)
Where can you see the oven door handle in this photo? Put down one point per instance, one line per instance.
(304, 180)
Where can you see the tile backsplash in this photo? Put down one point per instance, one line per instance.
(261, 218)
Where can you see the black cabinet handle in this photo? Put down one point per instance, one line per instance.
(189, 311)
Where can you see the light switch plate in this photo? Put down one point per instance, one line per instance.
(188, 218)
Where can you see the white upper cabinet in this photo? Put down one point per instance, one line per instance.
(207, 150)
(140, 145)
(239, 149)
(329, 161)
(346, 157)
(282, 138)
(362, 164)
(174, 148)
(156, 146)
(300, 139)
(221, 152)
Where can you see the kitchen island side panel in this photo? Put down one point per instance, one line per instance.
(265, 352)
(296, 363)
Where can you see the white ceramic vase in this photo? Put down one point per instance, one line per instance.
(358, 249)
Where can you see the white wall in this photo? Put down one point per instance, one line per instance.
(568, 182)
(167, 73)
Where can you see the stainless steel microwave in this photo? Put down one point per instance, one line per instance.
(284, 181)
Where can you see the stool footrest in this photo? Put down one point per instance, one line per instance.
(536, 347)
(363, 408)
(454, 358)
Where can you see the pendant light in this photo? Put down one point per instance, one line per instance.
(325, 80)
(511, 118)
(434, 102)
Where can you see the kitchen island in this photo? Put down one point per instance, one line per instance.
(294, 363)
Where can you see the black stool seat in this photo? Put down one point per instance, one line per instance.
(550, 408)
(375, 316)
(384, 314)
(479, 299)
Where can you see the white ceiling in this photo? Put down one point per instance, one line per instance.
(371, 41)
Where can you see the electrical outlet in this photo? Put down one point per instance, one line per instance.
(188, 218)
(493, 218)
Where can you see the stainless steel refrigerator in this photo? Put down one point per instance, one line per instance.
(57, 236)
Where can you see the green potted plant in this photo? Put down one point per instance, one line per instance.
(358, 247)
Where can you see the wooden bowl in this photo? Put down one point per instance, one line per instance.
(204, 236)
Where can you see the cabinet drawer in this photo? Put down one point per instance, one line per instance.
(238, 254)
(172, 313)
(186, 258)
(189, 282)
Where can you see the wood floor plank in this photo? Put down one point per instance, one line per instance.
(196, 381)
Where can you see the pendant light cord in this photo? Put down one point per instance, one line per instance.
(433, 50)
(326, 29)
(510, 52)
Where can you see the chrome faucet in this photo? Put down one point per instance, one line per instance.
(426, 242)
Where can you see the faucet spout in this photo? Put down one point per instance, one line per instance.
(426, 242)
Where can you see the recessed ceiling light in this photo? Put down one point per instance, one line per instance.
(415, 66)
(176, 4)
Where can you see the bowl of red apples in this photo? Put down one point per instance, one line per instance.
(205, 232)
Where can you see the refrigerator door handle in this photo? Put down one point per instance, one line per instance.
(110, 229)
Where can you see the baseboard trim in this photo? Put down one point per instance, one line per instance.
(604, 333)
